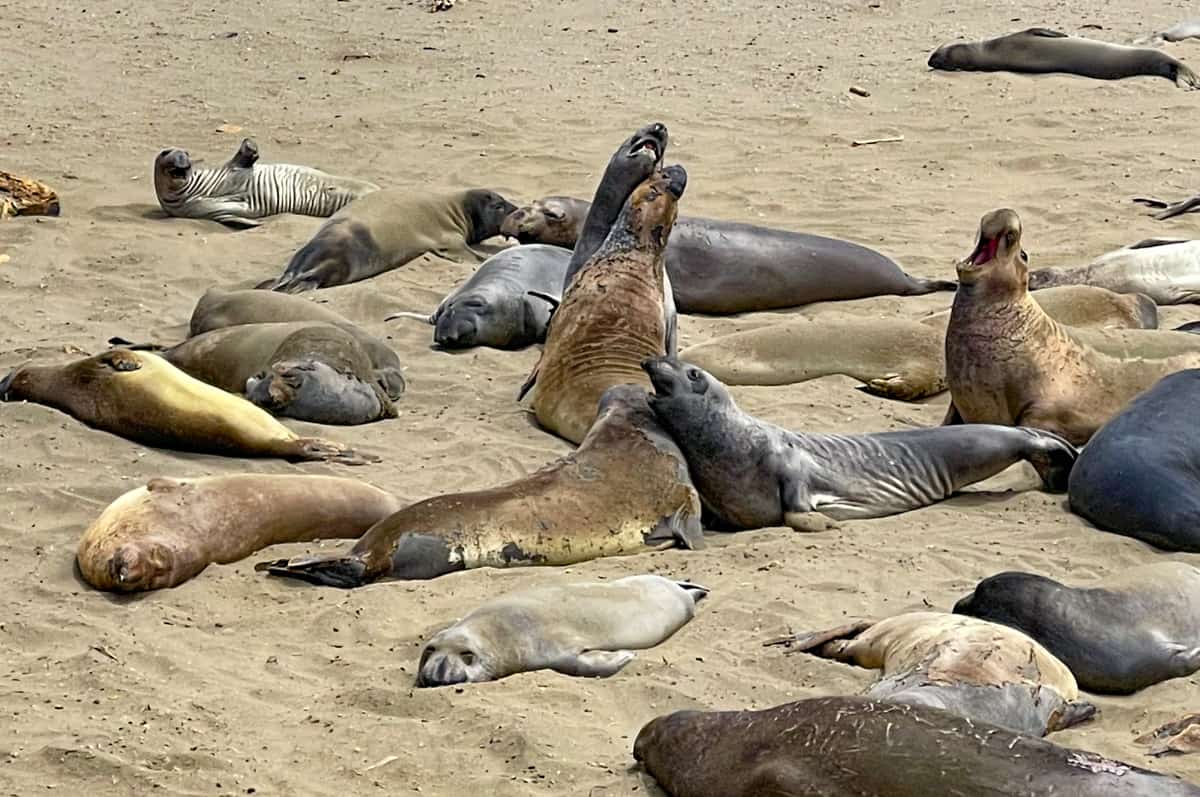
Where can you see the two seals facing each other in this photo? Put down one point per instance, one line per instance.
(1117, 635)
(585, 629)
(625, 488)
(854, 746)
(143, 398)
(242, 191)
(973, 668)
(165, 533)
(753, 474)
(1041, 51)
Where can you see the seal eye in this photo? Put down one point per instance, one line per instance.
(468, 658)
(693, 374)
(1010, 238)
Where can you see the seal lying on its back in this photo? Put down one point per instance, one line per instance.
(723, 267)
(855, 747)
(309, 371)
(389, 228)
(753, 474)
(1168, 271)
(626, 487)
(143, 398)
(243, 191)
(979, 670)
(612, 316)
(1122, 634)
(1140, 474)
(1008, 362)
(587, 629)
(219, 308)
(1040, 51)
(506, 303)
(164, 533)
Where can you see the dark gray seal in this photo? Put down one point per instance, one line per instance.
(242, 191)
(389, 228)
(753, 474)
(506, 303)
(1118, 635)
(1041, 51)
(723, 267)
(856, 747)
(1140, 474)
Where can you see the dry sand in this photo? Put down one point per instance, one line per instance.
(237, 684)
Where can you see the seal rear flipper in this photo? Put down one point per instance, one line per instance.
(1192, 326)
(1053, 458)
(314, 449)
(1070, 714)
(682, 527)
(428, 319)
(1047, 33)
(330, 571)
(698, 591)
(815, 641)
(1185, 78)
(594, 663)
(1149, 243)
(924, 286)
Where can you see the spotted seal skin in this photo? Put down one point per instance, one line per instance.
(626, 489)
(584, 629)
(973, 668)
(1168, 271)
(170, 530)
(1118, 634)
(389, 228)
(143, 398)
(753, 474)
(855, 746)
(1042, 51)
(241, 192)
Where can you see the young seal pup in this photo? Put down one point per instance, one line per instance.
(753, 474)
(587, 629)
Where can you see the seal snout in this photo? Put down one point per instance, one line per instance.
(662, 372)
(7, 383)
(676, 180)
(445, 667)
(651, 140)
(175, 162)
(999, 235)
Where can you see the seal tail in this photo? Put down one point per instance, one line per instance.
(125, 344)
(924, 286)
(346, 572)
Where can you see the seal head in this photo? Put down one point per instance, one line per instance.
(998, 256)
(454, 656)
(486, 211)
(312, 390)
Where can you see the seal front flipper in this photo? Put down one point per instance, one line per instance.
(330, 571)
(594, 663)
(1070, 714)
(682, 527)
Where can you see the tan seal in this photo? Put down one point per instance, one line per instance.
(143, 398)
(1008, 362)
(612, 315)
(625, 488)
(165, 533)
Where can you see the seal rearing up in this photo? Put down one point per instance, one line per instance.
(242, 191)
(1008, 362)
(612, 316)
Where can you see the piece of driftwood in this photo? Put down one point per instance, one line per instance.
(20, 196)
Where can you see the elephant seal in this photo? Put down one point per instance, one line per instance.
(309, 371)
(506, 303)
(389, 228)
(165, 533)
(219, 308)
(242, 191)
(1177, 736)
(1140, 474)
(585, 629)
(894, 357)
(625, 488)
(612, 316)
(753, 474)
(143, 398)
(979, 670)
(1041, 51)
(1169, 210)
(20, 196)
(1188, 29)
(1008, 362)
(854, 746)
(1118, 635)
(1168, 271)
(722, 267)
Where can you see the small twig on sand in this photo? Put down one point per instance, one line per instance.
(862, 142)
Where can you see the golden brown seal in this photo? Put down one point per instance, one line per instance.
(164, 533)
(612, 316)
(1008, 362)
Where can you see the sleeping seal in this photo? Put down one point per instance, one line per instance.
(143, 398)
(389, 228)
(1040, 51)
(753, 474)
(243, 191)
(855, 747)
(585, 629)
(1121, 633)
(979, 670)
(1168, 271)
(164, 533)
(625, 488)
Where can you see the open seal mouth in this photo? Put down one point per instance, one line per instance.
(985, 250)
(649, 141)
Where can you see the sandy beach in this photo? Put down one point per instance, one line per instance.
(235, 683)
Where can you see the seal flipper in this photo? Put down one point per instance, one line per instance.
(131, 346)
(1185, 78)
(932, 286)
(1149, 243)
(314, 449)
(698, 592)
(594, 663)
(1045, 33)
(682, 527)
(330, 571)
(816, 642)
(1053, 458)
(120, 360)
(1070, 714)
